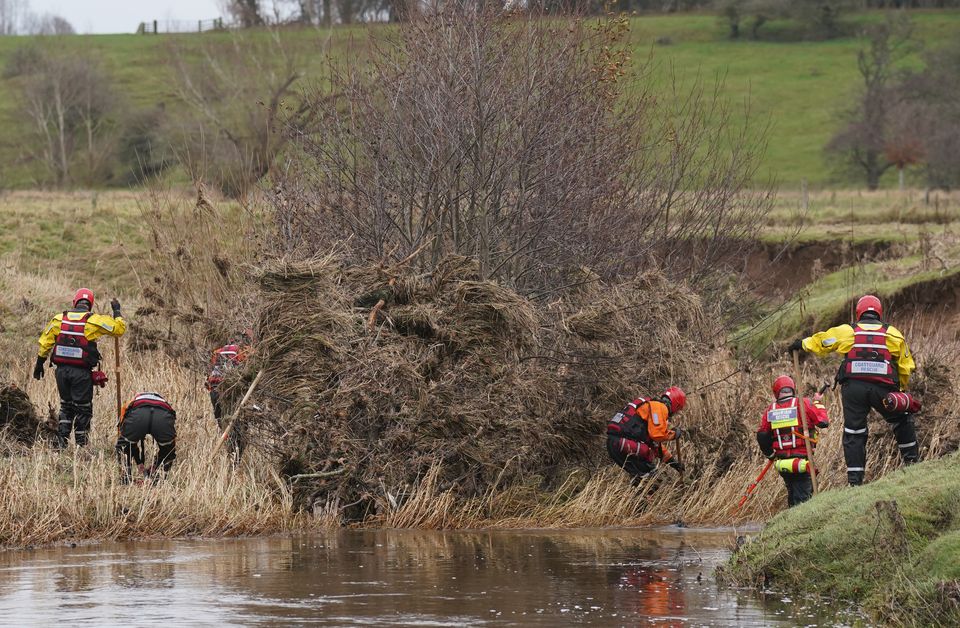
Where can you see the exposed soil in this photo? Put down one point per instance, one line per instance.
(778, 271)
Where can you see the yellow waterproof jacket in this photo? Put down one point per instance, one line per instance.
(840, 339)
(98, 325)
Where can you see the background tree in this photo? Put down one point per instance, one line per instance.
(861, 144)
(933, 95)
(11, 13)
(234, 90)
(71, 105)
(47, 24)
(245, 13)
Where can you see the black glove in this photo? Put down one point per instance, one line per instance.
(795, 346)
(677, 466)
(115, 305)
(676, 433)
(38, 369)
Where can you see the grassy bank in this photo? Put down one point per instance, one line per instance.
(892, 546)
(801, 87)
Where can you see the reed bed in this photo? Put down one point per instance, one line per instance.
(48, 496)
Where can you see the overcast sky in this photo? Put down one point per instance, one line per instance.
(123, 16)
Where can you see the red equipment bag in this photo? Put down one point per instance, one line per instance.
(901, 402)
(99, 378)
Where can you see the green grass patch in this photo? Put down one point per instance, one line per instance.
(892, 546)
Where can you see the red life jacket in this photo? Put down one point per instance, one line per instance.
(870, 360)
(71, 347)
(784, 419)
(643, 419)
(224, 359)
(149, 399)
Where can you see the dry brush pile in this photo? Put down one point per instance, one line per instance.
(380, 378)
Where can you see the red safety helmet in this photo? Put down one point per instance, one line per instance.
(869, 303)
(677, 398)
(83, 294)
(784, 381)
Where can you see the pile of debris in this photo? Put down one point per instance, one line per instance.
(19, 422)
(375, 375)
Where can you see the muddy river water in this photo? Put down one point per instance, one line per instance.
(618, 577)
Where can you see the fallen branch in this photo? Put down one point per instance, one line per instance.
(236, 413)
(322, 474)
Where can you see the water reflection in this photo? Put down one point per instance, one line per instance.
(657, 577)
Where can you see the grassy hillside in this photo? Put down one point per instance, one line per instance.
(893, 546)
(798, 87)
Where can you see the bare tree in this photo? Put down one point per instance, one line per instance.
(246, 13)
(11, 14)
(235, 91)
(862, 143)
(70, 103)
(47, 24)
(515, 141)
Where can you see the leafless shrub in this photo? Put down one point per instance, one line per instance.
(234, 91)
(520, 142)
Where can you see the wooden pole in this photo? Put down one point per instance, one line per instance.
(116, 355)
(236, 413)
(803, 422)
(679, 459)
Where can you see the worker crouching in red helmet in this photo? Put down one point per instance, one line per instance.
(781, 437)
(636, 434)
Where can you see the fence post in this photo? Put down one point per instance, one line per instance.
(155, 31)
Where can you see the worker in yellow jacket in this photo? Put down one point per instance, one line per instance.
(70, 341)
(876, 361)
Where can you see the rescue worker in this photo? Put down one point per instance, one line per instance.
(147, 413)
(781, 437)
(636, 434)
(876, 362)
(224, 360)
(70, 341)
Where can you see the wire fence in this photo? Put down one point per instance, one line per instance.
(160, 27)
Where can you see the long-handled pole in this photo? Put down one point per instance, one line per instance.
(679, 460)
(116, 355)
(236, 413)
(749, 491)
(803, 422)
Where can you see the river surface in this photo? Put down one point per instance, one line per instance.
(610, 577)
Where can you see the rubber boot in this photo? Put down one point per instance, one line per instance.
(906, 435)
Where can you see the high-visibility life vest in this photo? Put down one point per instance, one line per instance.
(870, 360)
(784, 419)
(71, 347)
(642, 420)
(224, 359)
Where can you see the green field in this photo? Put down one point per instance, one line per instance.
(799, 88)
